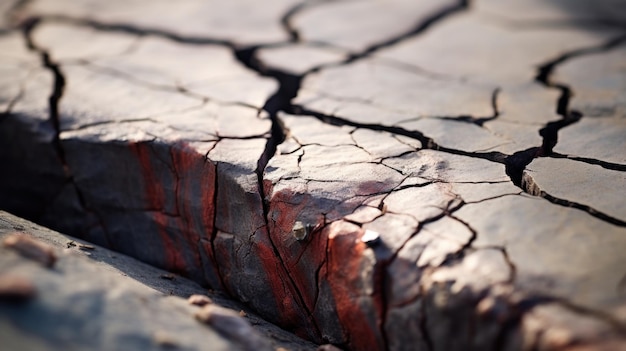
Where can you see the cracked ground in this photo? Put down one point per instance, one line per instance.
(376, 175)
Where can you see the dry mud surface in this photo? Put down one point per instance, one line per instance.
(376, 175)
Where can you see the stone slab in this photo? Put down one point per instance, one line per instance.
(370, 175)
(96, 299)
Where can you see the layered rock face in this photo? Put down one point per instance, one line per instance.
(391, 175)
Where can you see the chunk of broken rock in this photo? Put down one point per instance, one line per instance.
(16, 289)
(199, 300)
(370, 238)
(28, 247)
(299, 231)
(228, 323)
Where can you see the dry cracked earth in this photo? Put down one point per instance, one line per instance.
(372, 174)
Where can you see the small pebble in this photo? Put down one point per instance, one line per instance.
(164, 340)
(328, 347)
(370, 238)
(80, 246)
(28, 247)
(199, 300)
(228, 323)
(167, 276)
(299, 231)
(86, 247)
(16, 289)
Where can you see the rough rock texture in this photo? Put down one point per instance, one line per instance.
(95, 299)
(398, 175)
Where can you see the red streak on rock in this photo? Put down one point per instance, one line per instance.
(344, 277)
(155, 199)
(301, 258)
(290, 312)
(194, 198)
(290, 298)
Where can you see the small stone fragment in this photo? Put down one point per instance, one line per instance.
(16, 289)
(328, 347)
(299, 231)
(557, 338)
(242, 313)
(31, 248)
(164, 340)
(199, 300)
(485, 305)
(86, 247)
(72, 243)
(167, 276)
(493, 307)
(228, 323)
(370, 238)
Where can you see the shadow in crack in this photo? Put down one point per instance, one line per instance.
(610, 12)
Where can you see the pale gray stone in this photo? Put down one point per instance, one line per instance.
(356, 25)
(242, 22)
(589, 185)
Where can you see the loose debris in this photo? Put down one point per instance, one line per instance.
(199, 300)
(28, 247)
(165, 340)
(370, 238)
(80, 246)
(230, 324)
(167, 276)
(299, 231)
(16, 289)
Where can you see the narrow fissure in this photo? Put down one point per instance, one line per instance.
(57, 89)
(138, 31)
(592, 161)
(517, 163)
(421, 27)
(59, 83)
(590, 210)
(427, 142)
(288, 87)
(215, 262)
(544, 74)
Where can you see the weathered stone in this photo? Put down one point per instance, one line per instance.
(100, 299)
(369, 88)
(300, 58)
(530, 227)
(26, 135)
(215, 20)
(371, 22)
(552, 11)
(597, 80)
(232, 325)
(584, 184)
(14, 288)
(84, 302)
(445, 50)
(199, 300)
(264, 170)
(30, 248)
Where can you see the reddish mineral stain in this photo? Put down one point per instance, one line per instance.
(194, 198)
(155, 198)
(344, 269)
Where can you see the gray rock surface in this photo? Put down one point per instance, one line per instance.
(96, 299)
(389, 175)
